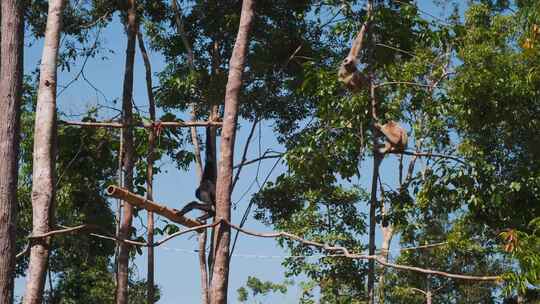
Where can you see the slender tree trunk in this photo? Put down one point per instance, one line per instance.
(388, 233)
(377, 159)
(196, 146)
(214, 114)
(11, 53)
(372, 225)
(212, 133)
(118, 219)
(429, 293)
(127, 120)
(220, 277)
(203, 264)
(149, 168)
(203, 267)
(44, 155)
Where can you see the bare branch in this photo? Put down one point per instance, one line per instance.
(196, 145)
(418, 290)
(85, 61)
(426, 154)
(191, 62)
(404, 83)
(94, 22)
(396, 49)
(25, 251)
(277, 155)
(440, 20)
(181, 31)
(334, 250)
(62, 231)
(179, 233)
(244, 154)
(439, 273)
(424, 246)
(376, 258)
(162, 124)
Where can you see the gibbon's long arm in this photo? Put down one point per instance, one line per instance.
(348, 72)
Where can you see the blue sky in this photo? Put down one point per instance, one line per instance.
(177, 270)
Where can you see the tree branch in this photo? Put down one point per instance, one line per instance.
(376, 258)
(181, 31)
(418, 290)
(403, 82)
(25, 251)
(244, 153)
(163, 124)
(335, 250)
(426, 154)
(62, 231)
(278, 155)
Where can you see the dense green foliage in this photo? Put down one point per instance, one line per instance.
(258, 287)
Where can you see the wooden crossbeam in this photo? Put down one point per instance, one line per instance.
(161, 124)
(141, 202)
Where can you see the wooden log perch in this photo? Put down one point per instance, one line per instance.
(161, 124)
(141, 202)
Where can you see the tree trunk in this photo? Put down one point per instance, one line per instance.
(150, 294)
(377, 159)
(118, 219)
(429, 293)
(224, 180)
(388, 233)
(214, 114)
(203, 267)
(127, 120)
(44, 155)
(372, 225)
(11, 53)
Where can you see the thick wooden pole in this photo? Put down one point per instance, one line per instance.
(220, 270)
(11, 71)
(43, 191)
(122, 275)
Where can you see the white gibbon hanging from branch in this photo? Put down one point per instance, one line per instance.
(348, 72)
